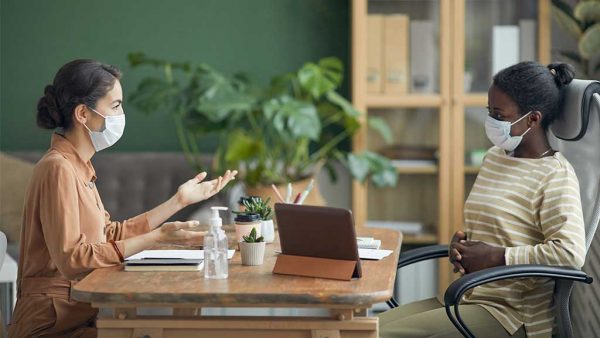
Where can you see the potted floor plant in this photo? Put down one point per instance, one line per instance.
(283, 132)
(252, 249)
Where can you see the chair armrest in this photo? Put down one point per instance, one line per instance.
(422, 254)
(460, 286)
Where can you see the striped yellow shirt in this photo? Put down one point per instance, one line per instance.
(533, 208)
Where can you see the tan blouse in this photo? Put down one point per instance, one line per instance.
(63, 238)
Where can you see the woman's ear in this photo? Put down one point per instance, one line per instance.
(535, 118)
(80, 114)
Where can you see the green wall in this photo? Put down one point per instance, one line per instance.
(259, 37)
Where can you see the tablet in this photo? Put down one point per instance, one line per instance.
(312, 231)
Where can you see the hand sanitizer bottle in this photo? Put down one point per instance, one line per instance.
(215, 248)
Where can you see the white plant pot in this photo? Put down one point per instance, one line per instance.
(268, 231)
(252, 253)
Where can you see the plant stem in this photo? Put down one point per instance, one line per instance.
(328, 146)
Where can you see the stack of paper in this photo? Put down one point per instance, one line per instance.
(368, 243)
(371, 254)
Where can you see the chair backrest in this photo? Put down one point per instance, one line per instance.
(577, 136)
(3, 244)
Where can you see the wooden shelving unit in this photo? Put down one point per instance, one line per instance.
(448, 181)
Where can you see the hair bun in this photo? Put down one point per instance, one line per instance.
(563, 73)
(48, 115)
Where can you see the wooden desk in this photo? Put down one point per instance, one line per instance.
(187, 292)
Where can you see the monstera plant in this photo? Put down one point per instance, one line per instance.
(583, 23)
(279, 133)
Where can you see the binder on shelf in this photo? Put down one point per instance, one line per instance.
(374, 53)
(395, 54)
(527, 39)
(505, 47)
(423, 57)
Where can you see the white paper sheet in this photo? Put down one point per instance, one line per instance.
(373, 254)
(182, 254)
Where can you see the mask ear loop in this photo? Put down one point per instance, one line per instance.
(522, 117)
(95, 111)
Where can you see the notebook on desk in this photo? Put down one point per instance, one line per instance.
(324, 233)
(164, 264)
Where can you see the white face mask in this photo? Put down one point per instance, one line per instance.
(114, 125)
(499, 133)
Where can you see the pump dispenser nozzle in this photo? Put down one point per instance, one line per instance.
(215, 219)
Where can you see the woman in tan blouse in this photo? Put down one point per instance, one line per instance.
(66, 232)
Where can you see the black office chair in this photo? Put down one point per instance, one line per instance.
(577, 137)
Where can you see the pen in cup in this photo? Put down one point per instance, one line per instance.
(288, 197)
(297, 198)
(306, 191)
(277, 193)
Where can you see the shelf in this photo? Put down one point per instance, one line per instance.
(476, 100)
(472, 169)
(419, 239)
(424, 170)
(403, 100)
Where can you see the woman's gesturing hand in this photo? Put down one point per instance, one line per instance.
(178, 233)
(195, 190)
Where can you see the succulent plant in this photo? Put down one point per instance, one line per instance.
(256, 205)
(251, 238)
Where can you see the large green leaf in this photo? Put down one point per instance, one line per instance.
(564, 16)
(154, 94)
(589, 44)
(587, 11)
(382, 172)
(222, 106)
(340, 101)
(294, 117)
(242, 147)
(358, 166)
(321, 78)
(381, 126)
(303, 120)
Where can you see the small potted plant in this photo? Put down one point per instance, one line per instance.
(252, 249)
(256, 205)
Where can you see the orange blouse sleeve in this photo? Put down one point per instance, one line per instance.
(69, 249)
(132, 227)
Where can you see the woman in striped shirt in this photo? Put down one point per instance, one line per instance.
(524, 208)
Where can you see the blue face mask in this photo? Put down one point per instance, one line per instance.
(499, 133)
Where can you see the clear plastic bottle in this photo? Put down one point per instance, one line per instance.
(215, 248)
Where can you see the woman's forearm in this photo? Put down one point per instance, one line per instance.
(140, 243)
(162, 212)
